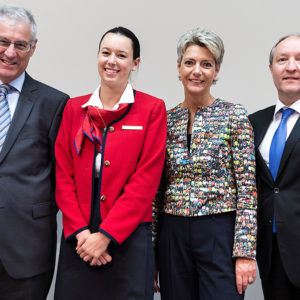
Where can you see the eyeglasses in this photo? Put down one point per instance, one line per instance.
(19, 45)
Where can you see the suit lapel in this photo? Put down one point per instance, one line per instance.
(23, 109)
(289, 145)
(262, 126)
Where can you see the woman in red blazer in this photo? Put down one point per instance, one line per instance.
(110, 153)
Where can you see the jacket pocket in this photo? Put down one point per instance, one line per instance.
(40, 210)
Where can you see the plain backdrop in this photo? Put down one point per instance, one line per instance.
(69, 32)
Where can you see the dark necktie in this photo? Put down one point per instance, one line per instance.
(277, 146)
(4, 113)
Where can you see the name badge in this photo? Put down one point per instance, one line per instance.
(128, 127)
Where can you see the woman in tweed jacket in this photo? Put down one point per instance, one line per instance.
(206, 204)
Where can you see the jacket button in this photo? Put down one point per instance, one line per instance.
(107, 163)
(276, 190)
(111, 129)
(271, 221)
(103, 198)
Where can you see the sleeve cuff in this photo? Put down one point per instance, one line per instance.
(109, 236)
(76, 232)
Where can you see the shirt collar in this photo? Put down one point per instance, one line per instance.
(126, 97)
(279, 105)
(17, 83)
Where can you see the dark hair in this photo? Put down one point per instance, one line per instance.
(126, 32)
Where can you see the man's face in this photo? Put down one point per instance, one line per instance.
(14, 62)
(285, 69)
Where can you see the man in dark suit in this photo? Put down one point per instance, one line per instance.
(277, 141)
(30, 114)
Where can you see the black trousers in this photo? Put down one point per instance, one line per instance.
(34, 288)
(195, 257)
(129, 276)
(278, 286)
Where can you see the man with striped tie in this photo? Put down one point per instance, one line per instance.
(30, 114)
(277, 142)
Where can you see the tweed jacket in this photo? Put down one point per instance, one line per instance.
(217, 175)
(131, 164)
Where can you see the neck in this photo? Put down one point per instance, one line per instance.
(192, 102)
(288, 101)
(110, 96)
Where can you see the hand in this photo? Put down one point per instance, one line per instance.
(94, 248)
(81, 237)
(245, 273)
(156, 286)
(103, 259)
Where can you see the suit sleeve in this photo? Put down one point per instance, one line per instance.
(136, 201)
(66, 193)
(244, 169)
(54, 130)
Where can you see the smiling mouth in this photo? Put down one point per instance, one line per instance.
(196, 80)
(8, 62)
(112, 71)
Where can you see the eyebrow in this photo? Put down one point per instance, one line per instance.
(191, 58)
(107, 48)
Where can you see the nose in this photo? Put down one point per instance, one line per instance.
(291, 65)
(112, 59)
(197, 70)
(10, 51)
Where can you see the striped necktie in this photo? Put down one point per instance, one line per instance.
(4, 113)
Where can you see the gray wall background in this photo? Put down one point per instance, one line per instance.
(69, 32)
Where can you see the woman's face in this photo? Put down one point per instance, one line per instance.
(115, 60)
(197, 70)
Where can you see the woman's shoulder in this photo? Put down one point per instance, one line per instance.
(230, 107)
(146, 97)
(74, 105)
(146, 101)
(80, 100)
(175, 111)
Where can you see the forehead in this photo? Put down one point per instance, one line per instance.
(289, 46)
(117, 42)
(196, 51)
(15, 30)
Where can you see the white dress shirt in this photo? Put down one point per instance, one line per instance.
(13, 95)
(126, 97)
(265, 145)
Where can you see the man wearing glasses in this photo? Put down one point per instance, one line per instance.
(30, 114)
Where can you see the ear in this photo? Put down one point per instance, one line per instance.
(136, 63)
(178, 64)
(271, 69)
(217, 72)
(33, 47)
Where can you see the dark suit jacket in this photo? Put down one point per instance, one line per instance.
(27, 206)
(281, 197)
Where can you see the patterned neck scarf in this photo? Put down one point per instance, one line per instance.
(94, 120)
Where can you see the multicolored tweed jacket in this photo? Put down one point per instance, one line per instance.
(217, 175)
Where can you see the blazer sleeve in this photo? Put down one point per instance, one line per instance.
(243, 154)
(66, 193)
(54, 130)
(135, 202)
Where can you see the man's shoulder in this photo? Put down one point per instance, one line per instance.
(43, 88)
(262, 113)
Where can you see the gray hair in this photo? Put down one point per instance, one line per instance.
(19, 14)
(280, 40)
(203, 38)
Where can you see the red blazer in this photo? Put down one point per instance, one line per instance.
(132, 162)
